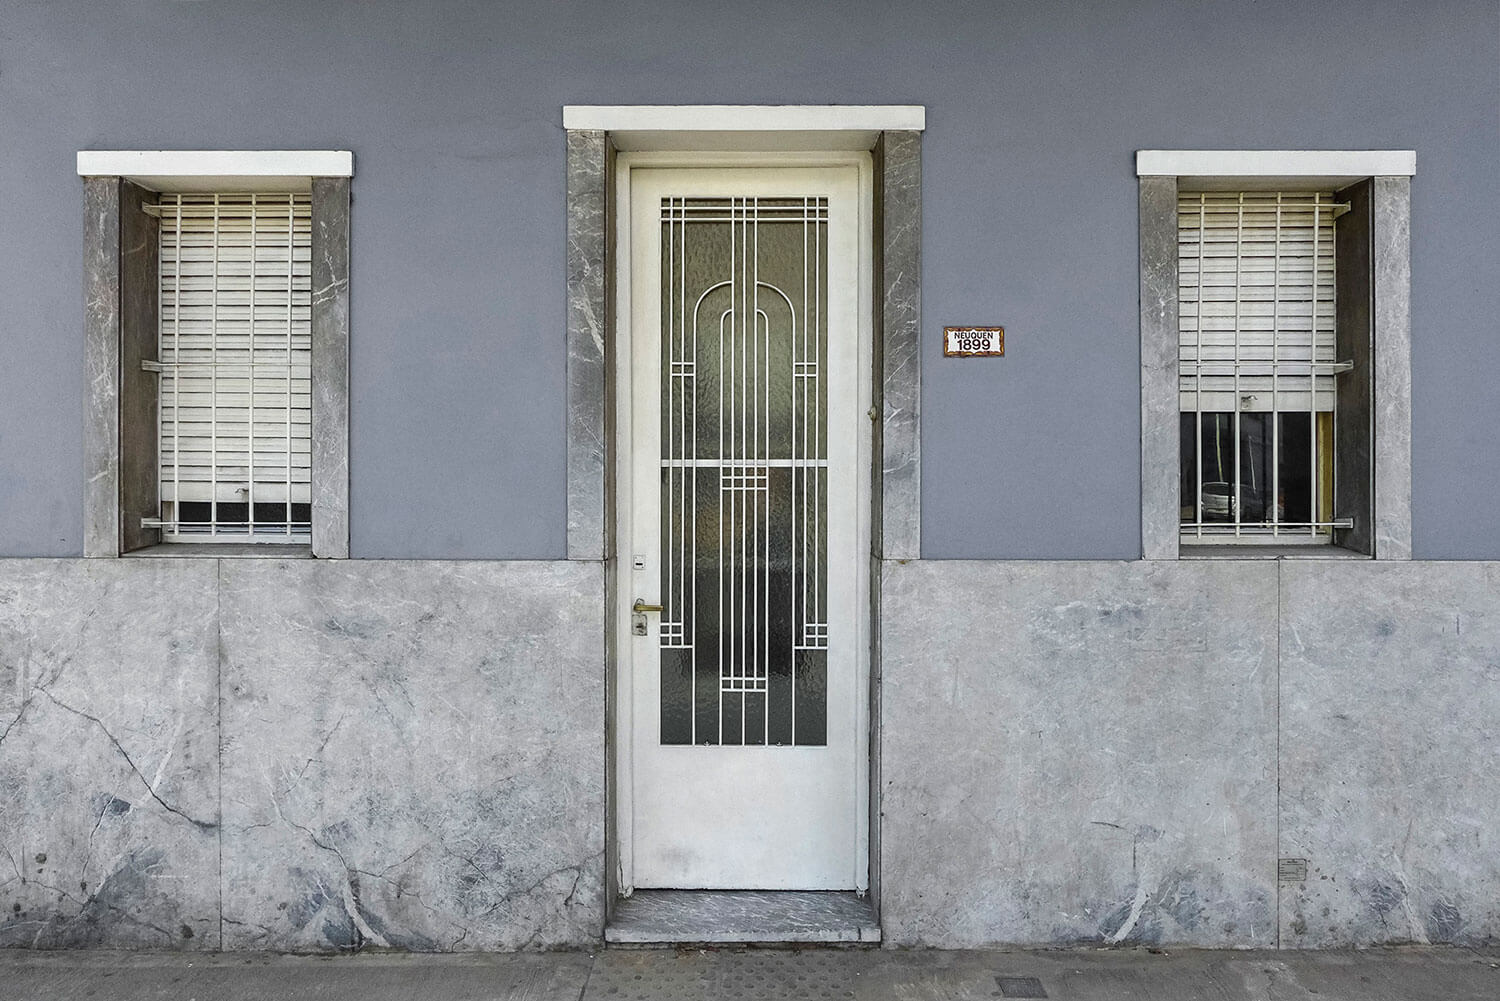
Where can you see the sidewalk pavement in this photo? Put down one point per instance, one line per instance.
(733, 974)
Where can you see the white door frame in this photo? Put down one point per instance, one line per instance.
(625, 675)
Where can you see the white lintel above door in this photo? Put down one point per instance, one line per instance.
(827, 127)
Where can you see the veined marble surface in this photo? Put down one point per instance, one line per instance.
(1390, 752)
(587, 370)
(1160, 429)
(901, 352)
(413, 755)
(319, 756)
(1392, 300)
(1079, 752)
(108, 754)
(330, 367)
(101, 361)
(666, 916)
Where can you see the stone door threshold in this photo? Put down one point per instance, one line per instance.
(672, 917)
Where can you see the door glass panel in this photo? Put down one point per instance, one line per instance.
(744, 633)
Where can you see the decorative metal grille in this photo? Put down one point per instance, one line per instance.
(1257, 365)
(744, 633)
(235, 349)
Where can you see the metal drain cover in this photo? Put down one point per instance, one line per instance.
(1021, 987)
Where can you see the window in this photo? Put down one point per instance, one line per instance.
(1275, 352)
(217, 351)
(1257, 365)
(234, 351)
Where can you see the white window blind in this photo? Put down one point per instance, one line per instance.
(235, 352)
(1256, 301)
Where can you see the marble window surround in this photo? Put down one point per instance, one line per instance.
(120, 329)
(894, 135)
(1388, 173)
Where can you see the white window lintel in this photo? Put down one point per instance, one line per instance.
(1275, 164)
(217, 169)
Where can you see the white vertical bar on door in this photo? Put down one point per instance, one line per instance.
(690, 375)
(743, 453)
(675, 418)
(686, 446)
(752, 320)
(763, 525)
(736, 402)
(736, 445)
(743, 387)
(690, 630)
(675, 440)
(799, 396)
(820, 475)
(810, 451)
(723, 556)
(796, 478)
(763, 494)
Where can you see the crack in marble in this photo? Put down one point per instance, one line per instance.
(349, 888)
(203, 825)
(62, 925)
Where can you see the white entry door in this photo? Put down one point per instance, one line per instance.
(744, 518)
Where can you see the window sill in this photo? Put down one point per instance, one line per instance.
(222, 550)
(1189, 551)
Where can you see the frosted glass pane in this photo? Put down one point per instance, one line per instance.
(744, 449)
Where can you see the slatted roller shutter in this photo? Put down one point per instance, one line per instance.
(235, 355)
(1256, 306)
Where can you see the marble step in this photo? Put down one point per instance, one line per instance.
(666, 917)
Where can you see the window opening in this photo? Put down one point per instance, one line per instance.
(1256, 366)
(235, 349)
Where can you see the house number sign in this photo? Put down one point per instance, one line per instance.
(974, 342)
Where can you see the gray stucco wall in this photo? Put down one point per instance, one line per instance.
(1121, 752)
(457, 295)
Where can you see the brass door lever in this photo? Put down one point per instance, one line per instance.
(640, 607)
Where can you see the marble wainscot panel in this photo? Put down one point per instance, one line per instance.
(1390, 744)
(413, 754)
(1079, 752)
(108, 754)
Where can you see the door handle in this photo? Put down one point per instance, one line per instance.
(638, 616)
